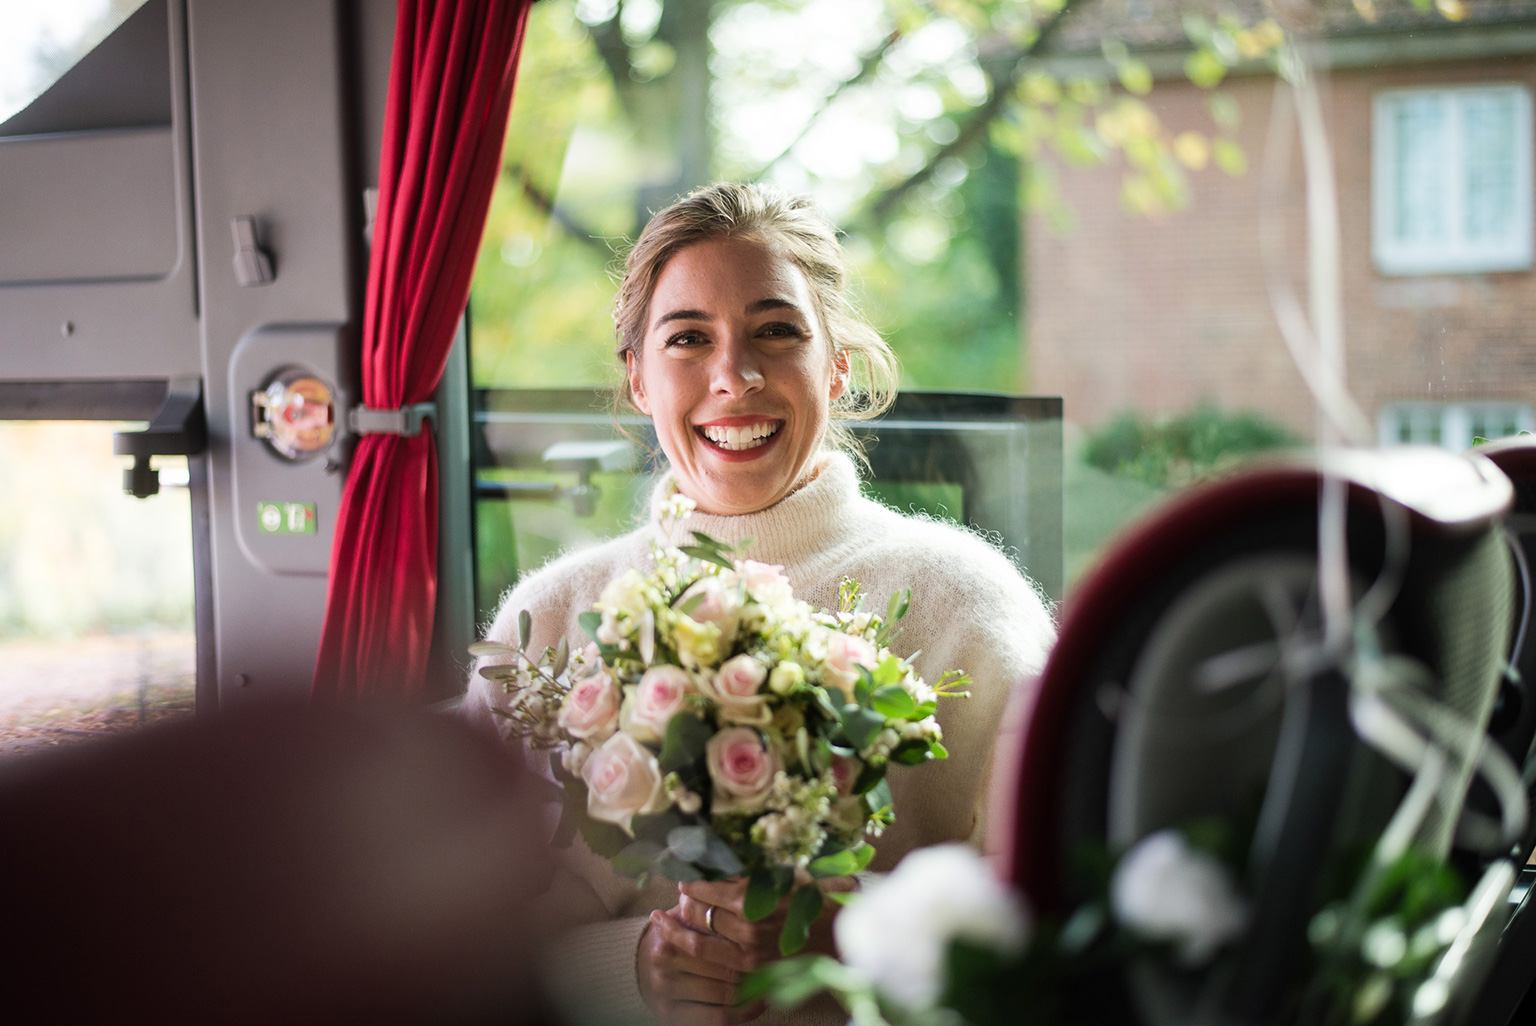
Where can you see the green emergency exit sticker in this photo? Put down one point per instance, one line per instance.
(286, 517)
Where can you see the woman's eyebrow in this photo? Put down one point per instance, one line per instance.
(772, 303)
(758, 306)
(680, 315)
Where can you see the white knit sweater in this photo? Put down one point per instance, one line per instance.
(970, 610)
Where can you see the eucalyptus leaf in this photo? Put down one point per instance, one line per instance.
(562, 658)
(501, 671)
(605, 839)
(719, 857)
(804, 907)
(524, 629)
(898, 605)
(688, 842)
(674, 868)
(637, 857)
(860, 725)
(490, 649)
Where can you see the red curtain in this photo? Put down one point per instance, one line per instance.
(450, 87)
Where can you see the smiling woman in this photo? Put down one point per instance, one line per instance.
(741, 346)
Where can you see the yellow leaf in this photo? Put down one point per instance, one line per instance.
(1454, 10)
(1205, 69)
(1135, 76)
(1192, 150)
(1230, 157)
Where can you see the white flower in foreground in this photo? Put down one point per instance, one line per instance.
(898, 930)
(1166, 890)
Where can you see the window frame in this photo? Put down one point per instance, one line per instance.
(1454, 254)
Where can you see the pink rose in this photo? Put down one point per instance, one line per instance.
(650, 705)
(845, 773)
(591, 709)
(713, 600)
(622, 779)
(766, 582)
(742, 767)
(845, 654)
(736, 689)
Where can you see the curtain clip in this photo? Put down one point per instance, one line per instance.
(405, 421)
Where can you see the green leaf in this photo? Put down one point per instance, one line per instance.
(897, 606)
(842, 897)
(869, 776)
(708, 555)
(605, 839)
(842, 863)
(490, 648)
(911, 753)
(524, 629)
(764, 890)
(879, 796)
(687, 737)
(893, 702)
(790, 981)
(590, 621)
(804, 907)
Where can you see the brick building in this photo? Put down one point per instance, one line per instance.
(1431, 129)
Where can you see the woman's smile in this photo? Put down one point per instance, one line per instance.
(740, 438)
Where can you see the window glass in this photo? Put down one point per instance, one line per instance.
(42, 39)
(1086, 221)
(1454, 175)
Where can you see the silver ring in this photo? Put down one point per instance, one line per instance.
(709, 919)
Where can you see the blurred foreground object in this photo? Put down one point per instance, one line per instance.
(282, 865)
(1197, 681)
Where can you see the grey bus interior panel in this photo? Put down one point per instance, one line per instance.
(97, 276)
(108, 212)
(272, 130)
(260, 475)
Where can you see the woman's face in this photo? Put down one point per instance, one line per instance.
(737, 374)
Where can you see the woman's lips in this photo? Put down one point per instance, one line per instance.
(739, 438)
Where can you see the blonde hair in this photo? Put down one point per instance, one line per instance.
(802, 234)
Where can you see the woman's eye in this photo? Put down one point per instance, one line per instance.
(684, 340)
(779, 329)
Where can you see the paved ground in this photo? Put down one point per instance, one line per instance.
(54, 693)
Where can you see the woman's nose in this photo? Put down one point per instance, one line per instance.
(736, 370)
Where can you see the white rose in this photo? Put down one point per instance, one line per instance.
(1166, 890)
(713, 600)
(767, 583)
(899, 929)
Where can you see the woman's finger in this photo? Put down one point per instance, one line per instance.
(728, 894)
(699, 953)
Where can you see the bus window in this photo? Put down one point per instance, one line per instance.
(96, 615)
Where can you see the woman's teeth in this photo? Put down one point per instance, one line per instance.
(738, 438)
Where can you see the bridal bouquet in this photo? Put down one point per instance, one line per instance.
(716, 726)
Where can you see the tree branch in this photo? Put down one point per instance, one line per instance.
(546, 205)
(1012, 64)
(868, 64)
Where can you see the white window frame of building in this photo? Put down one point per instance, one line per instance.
(1435, 209)
(1452, 426)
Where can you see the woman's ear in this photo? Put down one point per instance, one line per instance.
(636, 386)
(840, 365)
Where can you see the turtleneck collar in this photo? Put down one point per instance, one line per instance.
(806, 520)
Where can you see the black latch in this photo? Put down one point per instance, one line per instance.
(180, 428)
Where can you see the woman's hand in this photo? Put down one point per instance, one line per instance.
(689, 976)
(689, 972)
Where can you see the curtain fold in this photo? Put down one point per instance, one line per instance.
(445, 119)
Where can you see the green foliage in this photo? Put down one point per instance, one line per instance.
(1173, 451)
